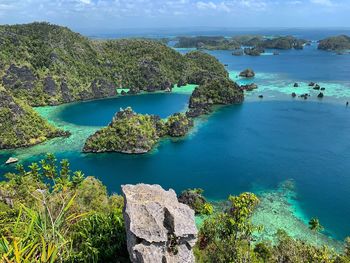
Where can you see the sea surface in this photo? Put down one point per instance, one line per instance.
(256, 146)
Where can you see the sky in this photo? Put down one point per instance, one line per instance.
(107, 15)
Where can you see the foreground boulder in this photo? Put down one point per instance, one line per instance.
(159, 228)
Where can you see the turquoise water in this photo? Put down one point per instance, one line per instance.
(255, 146)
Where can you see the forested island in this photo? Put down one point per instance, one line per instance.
(336, 43)
(44, 64)
(257, 42)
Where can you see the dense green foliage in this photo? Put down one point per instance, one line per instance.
(336, 43)
(229, 237)
(134, 133)
(21, 125)
(48, 64)
(207, 42)
(194, 198)
(49, 214)
(236, 42)
(218, 91)
(127, 133)
(178, 125)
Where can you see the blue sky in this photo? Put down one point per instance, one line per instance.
(107, 15)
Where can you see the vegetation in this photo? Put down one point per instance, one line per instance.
(50, 214)
(136, 133)
(218, 91)
(194, 198)
(20, 125)
(336, 43)
(127, 133)
(236, 42)
(178, 125)
(229, 237)
(207, 42)
(45, 64)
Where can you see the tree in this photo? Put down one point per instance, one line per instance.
(314, 225)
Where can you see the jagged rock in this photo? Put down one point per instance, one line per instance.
(159, 228)
(248, 73)
(322, 88)
(19, 78)
(102, 88)
(311, 84)
(296, 85)
(294, 94)
(123, 92)
(249, 87)
(238, 52)
(49, 86)
(66, 94)
(320, 95)
(316, 87)
(261, 96)
(255, 51)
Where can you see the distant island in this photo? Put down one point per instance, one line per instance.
(335, 43)
(256, 42)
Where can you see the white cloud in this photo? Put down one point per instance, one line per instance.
(206, 5)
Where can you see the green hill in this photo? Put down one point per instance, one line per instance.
(20, 125)
(46, 64)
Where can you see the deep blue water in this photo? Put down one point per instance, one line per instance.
(309, 64)
(100, 113)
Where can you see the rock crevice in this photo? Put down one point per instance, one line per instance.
(159, 228)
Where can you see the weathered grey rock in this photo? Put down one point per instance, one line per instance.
(159, 228)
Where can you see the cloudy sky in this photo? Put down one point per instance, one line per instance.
(105, 15)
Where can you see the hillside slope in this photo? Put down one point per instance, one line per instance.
(46, 64)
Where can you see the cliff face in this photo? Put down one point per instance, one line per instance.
(20, 125)
(159, 228)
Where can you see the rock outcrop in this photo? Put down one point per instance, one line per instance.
(249, 87)
(247, 73)
(159, 228)
(215, 92)
(127, 133)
